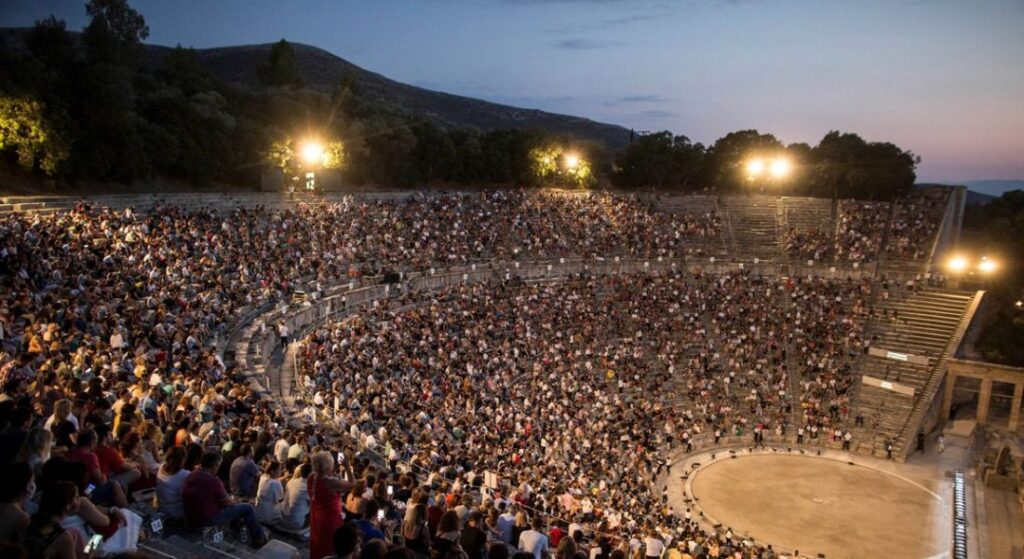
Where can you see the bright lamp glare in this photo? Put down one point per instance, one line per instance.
(986, 266)
(755, 167)
(957, 264)
(572, 161)
(312, 152)
(780, 168)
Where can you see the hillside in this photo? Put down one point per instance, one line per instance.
(323, 71)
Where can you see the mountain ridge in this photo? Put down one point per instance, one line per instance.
(323, 71)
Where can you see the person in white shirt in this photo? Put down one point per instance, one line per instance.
(653, 545)
(296, 502)
(281, 448)
(534, 540)
(170, 479)
(270, 495)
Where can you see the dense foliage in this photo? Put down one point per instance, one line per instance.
(90, 106)
(841, 164)
(997, 229)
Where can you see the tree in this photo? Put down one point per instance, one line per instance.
(114, 34)
(858, 169)
(182, 69)
(24, 130)
(280, 68)
(724, 166)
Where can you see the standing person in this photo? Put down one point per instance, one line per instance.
(920, 442)
(942, 443)
(282, 331)
(533, 540)
(888, 449)
(325, 490)
(653, 545)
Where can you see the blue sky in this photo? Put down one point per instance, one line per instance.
(942, 78)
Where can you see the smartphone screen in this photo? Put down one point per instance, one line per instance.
(89, 489)
(391, 490)
(341, 457)
(94, 543)
(380, 515)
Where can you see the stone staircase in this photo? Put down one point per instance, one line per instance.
(924, 323)
(752, 225)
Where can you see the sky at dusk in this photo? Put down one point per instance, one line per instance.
(942, 78)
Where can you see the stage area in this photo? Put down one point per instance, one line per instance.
(820, 505)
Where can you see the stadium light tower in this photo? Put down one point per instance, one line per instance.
(572, 161)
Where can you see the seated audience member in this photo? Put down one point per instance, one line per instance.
(18, 484)
(245, 474)
(170, 480)
(206, 502)
(296, 504)
(270, 496)
(45, 538)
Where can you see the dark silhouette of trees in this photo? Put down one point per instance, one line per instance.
(280, 69)
(91, 109)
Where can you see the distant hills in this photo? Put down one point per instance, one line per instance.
(993, 187)
(323, 71)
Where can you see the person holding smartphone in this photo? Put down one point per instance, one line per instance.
(325, 489)
(372, 525)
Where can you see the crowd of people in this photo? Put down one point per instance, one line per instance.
(572, 393)
(112, 388)
(862, 228)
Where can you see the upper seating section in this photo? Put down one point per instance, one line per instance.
(766, 227)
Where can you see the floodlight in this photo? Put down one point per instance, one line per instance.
(957, 264)
(572, 161)
(755, 167)
(780, 168)
(987, 266)
(312, 153)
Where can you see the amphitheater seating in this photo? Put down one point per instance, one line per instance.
(926, 324)
(752, 225)
(805, 213)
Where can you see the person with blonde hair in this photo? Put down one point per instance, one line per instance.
(35, 451)
(325, 490)
(61, 412)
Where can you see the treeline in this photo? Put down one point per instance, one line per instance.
(996, 229)
(842, 163)
(89, 105)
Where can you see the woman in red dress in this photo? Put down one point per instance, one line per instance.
(325, 491)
